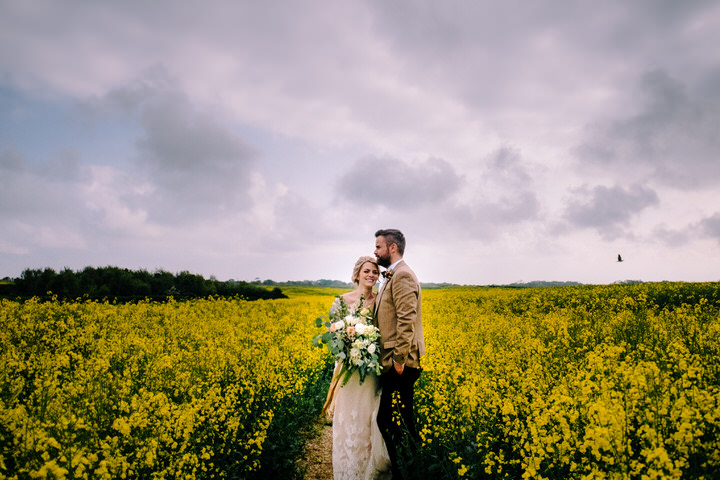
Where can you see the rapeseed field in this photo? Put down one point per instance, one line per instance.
(198, 389)
(591, 382)
(595, 382)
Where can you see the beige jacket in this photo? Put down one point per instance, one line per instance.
(398, 315)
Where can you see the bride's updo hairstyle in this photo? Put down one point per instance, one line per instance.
(358, 265)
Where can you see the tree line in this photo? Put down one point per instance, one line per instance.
(126, 285)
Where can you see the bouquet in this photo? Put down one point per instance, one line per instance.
(351, 338)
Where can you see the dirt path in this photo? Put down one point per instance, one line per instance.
(317, 459)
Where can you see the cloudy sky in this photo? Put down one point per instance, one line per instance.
(511, 141)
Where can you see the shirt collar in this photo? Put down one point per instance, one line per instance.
(394, 265)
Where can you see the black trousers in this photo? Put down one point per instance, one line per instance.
(393, 433)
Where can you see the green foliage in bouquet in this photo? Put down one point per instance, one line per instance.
(351, 338)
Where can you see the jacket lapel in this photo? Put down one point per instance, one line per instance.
(386, 282)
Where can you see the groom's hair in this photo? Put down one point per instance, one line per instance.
(393, 236)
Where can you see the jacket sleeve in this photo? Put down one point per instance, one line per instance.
(405, 294)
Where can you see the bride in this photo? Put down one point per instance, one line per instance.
(358, 448)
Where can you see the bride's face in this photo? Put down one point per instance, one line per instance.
(369, 274)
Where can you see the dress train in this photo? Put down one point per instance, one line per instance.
(359, 452)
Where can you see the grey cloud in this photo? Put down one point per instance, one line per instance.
(515, 52)
(524, 206)
(673, 136)
(11, 161)
(43, 190)
(608, 209)
(428, 24)
(708, 87)
(505, 196)
(673, 237)
(154, 82)
(397, 184)
(67, 166)
(253, 48)
(39, 210)
(181, 139)
(195, 166)
(297, 223)
(505, 167)
(488, 220)
(710, 226)
(496, 199)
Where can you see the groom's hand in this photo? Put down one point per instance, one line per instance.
(398, 367)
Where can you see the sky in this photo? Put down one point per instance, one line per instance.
(510, 141)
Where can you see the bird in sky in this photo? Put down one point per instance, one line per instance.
(619, 258)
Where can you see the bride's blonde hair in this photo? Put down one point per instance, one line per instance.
(358, 265)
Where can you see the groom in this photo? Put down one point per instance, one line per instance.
(398, 316)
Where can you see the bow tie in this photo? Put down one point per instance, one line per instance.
(388, 274)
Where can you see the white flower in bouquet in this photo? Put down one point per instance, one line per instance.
(371, 348)
(355, 356)
(360, 328)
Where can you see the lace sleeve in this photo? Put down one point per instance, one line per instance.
(335, 306)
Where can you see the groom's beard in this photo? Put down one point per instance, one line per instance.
(384, 261)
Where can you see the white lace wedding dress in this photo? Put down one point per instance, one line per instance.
(359, 451)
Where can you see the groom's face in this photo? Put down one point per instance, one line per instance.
(382, 251)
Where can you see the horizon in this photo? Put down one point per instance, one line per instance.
(262, 281)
